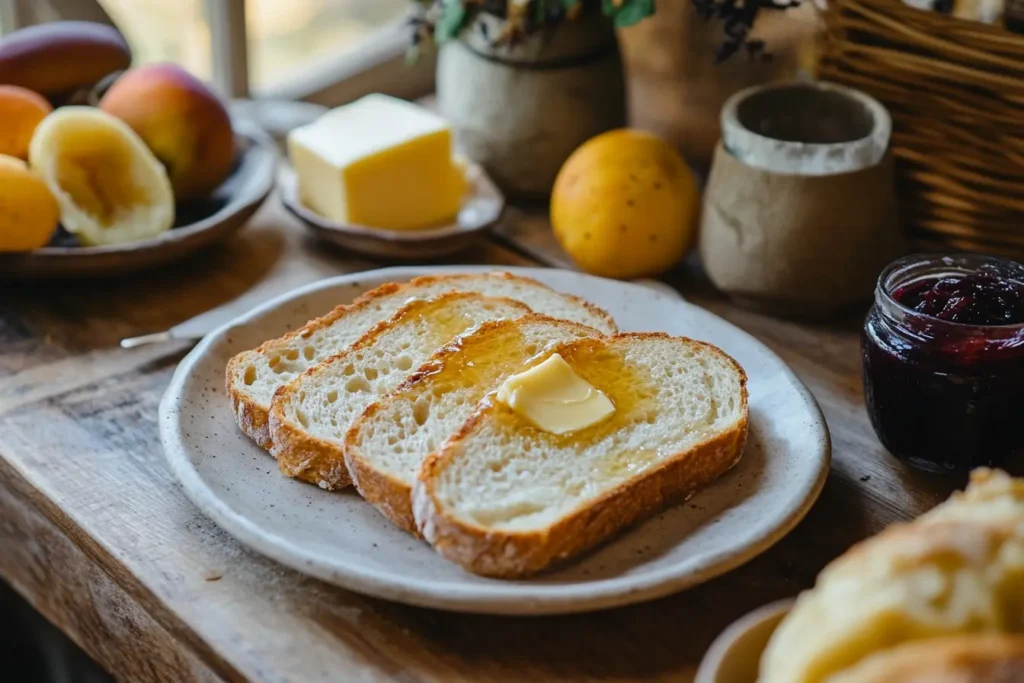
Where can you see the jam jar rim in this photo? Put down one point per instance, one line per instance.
(884, 298)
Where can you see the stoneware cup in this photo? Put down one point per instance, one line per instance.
(735, 656)
(800, 209)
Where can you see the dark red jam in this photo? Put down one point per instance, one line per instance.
(943, 362)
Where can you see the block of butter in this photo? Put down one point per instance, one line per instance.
(380, 162)
(554, 398)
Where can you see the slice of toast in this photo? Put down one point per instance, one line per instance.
(386, 446)
(310, 415)
(253, 376)
(504, 498)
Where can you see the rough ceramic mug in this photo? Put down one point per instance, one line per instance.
(800, 208)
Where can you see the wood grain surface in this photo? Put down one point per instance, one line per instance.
(96, 534)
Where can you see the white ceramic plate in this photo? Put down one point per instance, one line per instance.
(340, 539)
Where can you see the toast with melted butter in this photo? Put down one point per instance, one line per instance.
(505, 498)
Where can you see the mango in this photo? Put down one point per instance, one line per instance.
(56, 58)
(21, 111)
(28, 211)
(182, 121)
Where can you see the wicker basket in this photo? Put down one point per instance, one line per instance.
(956, 92)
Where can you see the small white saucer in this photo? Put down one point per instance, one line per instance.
(481, 209)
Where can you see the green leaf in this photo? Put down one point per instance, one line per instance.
(540, 11)
(412, 55)
(570, 4)
(633, 11)
(453, 17)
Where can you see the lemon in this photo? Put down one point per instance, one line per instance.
(624, 205)
(110, 187)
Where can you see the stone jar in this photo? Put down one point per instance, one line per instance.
(800, 208)
(520, 111)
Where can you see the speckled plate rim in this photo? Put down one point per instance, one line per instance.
(543, 598)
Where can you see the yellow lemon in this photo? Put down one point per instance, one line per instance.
(110, 187)
(625, 205)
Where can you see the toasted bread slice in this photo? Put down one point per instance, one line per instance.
(386, 446)
(253, 376)
(504, 498)
(310, 415)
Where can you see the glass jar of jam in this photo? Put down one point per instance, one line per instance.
(943, 361)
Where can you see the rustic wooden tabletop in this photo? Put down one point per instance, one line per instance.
(97, 535)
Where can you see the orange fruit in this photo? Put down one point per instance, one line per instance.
(21, 110)
(625, 205)
(28, 211)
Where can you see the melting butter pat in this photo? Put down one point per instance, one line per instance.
(554, 398)
(379, 162)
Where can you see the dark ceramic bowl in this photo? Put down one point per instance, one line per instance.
(197, 225)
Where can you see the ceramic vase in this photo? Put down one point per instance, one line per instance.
(521, 110)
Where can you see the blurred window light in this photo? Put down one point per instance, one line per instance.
(284, 36)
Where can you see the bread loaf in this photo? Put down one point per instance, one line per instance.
(956, 570)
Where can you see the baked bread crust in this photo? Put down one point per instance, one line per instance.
(965, 659)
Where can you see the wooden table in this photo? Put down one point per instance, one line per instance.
(97, 535)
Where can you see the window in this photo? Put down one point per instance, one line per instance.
(285, 36)
(326, 50)
(165, 31)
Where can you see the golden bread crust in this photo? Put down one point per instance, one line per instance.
(963, 659)
(252, 419)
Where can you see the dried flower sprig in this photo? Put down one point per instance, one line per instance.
(442, 20)
(738, 17)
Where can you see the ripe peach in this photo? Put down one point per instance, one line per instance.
(55, 58)
(28, 211)
(183, 122)
(21, 110)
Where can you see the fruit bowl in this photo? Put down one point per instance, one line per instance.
(481, 208)
(197, 224)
